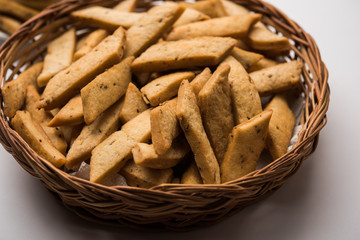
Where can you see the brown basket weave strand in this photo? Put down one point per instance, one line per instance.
(171, 206)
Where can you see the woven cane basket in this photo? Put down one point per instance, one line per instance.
(171, 206)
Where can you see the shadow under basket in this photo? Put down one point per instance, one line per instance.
(170, 206)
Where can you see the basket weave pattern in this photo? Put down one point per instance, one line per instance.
(171, 206)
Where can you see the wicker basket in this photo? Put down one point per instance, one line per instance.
(171, 206)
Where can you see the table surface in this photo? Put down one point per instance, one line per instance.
(321, 201)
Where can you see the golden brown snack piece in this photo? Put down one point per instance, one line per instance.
(59, 56)
(191, 175)
(150, 28)
(106, 89)
(189, 16)
(145, 155)
(232, 9)
(139, 128)
(8, 25)
(279, 78)
(133, 104)
(80, 42)
(199, 81)
(93, 134)
(34, 135)
(196, 52)
(17, 10)
(261, 38)
(111, 155)
(42, 117)
(245, 98)
(242, 45)
(14, 92)
(142, 77)
(164, 124)
(263, 63)
(126, 6)
(280, 128)
(188, 114)
(89, 42)
(71, 133)
(246, 142)
(165, 87)
(231, 26)
(246, 58)
(275, 53)
(143, 177)
(106, 18)
(68, 82)
(215, 106)
(212, 8)
(71, 114)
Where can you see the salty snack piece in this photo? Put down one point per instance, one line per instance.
(68, 82)
(232, 9)
(34, 135)
(164, 124)
(231, 26)
(279, 78)
(59, 56)
(105, 89)
(17, 10)
(246, 142)
(242, 45)
(246, 58)
(133, 104)
(145, 155)
(126, 6)
(71, 114)
(43, 118)
(142, 133)
(261, 38)
(71, 133)
(9, 25)
(191, 175)
(150, 28)
(263, 63)
(14, 92)
(274, 53)
(93, 134)
(188, 114)
(281, 126)
(212, 8)
(215, 106)
(165, 87)
(142, 77)
(245, 98)
(189, 16)
(195, 52)
(89, 42)
(106, 18)
(199, 81)
(110, 156)
(138, 176)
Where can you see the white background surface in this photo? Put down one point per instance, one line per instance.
(322, 201)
